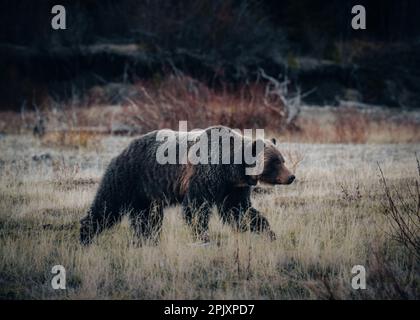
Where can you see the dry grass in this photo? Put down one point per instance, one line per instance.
(74, 138)
(314, 124)
(329, 220)
(353, 125)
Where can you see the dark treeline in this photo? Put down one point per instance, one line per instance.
(216, 41)
(388, 20)
(28, 22)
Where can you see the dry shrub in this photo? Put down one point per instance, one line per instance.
(163, 102)
(395, 130)
(386, 279)
(180, 97)
(311, 130)
(350, 126)
(402, 209)
(389, 280)
(326, 288)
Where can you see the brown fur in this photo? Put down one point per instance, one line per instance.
(185, 178)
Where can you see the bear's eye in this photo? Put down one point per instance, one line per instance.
(276, 162)
(273, 164)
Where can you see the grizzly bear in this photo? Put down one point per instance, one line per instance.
(136, 183)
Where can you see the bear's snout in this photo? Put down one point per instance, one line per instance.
(284, 176)
(288, 179)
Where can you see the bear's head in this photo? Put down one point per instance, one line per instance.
(274, 170)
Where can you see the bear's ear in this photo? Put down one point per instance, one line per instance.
(273, 140)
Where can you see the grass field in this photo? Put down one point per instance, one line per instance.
(329, 220)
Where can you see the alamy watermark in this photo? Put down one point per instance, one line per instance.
(58, 22)
(358, 281)
(59, 279)
(212, 146)
(359, 20)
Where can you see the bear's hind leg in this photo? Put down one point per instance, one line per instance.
(197, 216)
(147, 221)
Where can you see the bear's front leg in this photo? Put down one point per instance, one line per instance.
(258, 223)
(197, 215)
(236, 210)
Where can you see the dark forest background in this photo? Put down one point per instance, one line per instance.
(222, 43)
